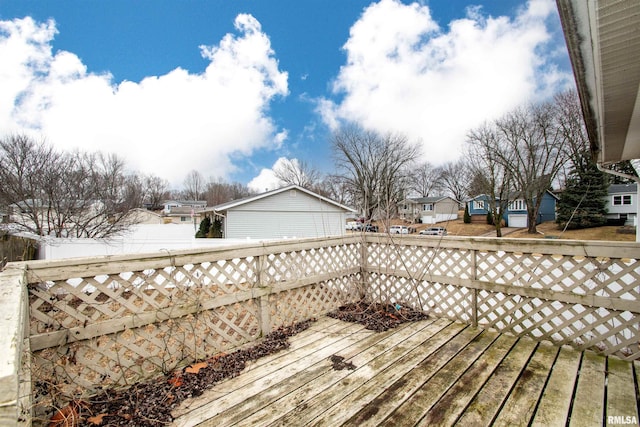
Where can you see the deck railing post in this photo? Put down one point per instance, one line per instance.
(474, 292)
(264, 311)
(364, 276)
(15, 380)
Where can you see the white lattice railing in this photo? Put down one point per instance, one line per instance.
(569, 292)
(113, 321)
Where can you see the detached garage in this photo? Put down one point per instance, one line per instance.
(288, 212)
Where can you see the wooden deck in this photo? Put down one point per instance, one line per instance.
(434, 372)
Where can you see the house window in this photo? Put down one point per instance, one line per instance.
(184, 218)
(427, 207)
(517, 205)
(479, 204)
(622, 200)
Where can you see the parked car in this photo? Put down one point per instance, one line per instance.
(434, 231)
(371, 228)
(401, 229)
(354, 226)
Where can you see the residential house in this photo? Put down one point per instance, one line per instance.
(516, 213)
(145, 216)
(183, 211)
(290, 211)
(622, 204)
(429, 210)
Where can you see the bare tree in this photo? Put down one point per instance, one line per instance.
(218, 191)
(297, 172)
(533, 150)
(65, 194)
(571, 124)
(492, 177)
(156, 190)
(455, 178)
(374, 167)
(425, 180)
(193, 185)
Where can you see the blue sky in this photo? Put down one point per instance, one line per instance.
(231, 88)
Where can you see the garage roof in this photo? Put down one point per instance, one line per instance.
(603, 38)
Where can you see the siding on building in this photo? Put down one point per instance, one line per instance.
(290, 212)
(623, 212)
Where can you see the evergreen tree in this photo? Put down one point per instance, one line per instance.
(624, 167)
(582, 203)
(490, 218)
(205, 224)
(216, 228)
(466, 217)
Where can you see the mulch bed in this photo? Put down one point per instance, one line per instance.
(377, 316)
(150, 404)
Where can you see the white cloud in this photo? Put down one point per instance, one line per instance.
(266, 179)
(166, 125)
(406, 74)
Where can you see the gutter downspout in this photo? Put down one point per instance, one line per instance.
(633, 178)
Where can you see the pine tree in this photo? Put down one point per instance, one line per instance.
(466, 217)
(582, 203)
(205, 224)
(490, 218)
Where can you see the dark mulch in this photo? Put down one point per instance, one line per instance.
(150, 404)
(377, 316)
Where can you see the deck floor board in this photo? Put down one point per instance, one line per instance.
(433, 372)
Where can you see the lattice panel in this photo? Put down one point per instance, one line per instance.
(609, 331)
(293, 265)
(420, 261)
(81, 368)
(81, 301)
(303, 303)
(581, 275)
(440, 300)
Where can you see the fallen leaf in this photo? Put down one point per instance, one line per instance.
(66, 417)
(97, 420)
(195, 368)
(175, 381)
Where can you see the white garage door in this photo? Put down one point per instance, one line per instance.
(519, 221)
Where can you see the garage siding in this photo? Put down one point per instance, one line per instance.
(288, 214)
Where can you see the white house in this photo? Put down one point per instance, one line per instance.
(290, 211)
(429, 210)
(622, 203)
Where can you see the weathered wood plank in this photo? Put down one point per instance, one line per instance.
(318, 377)
(388, 389)
(621, 391)
(487, 402)
(316, 341)
(451, 405)
(428, 393)
(520, 406)
(256, 381)
(553, 408)
(368, 363)
(387, 368)
(588, 402)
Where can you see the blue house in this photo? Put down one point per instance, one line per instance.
(516, 213)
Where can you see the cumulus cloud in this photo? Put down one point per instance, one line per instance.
(266, 179)
(404, 73)
(165, 125)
